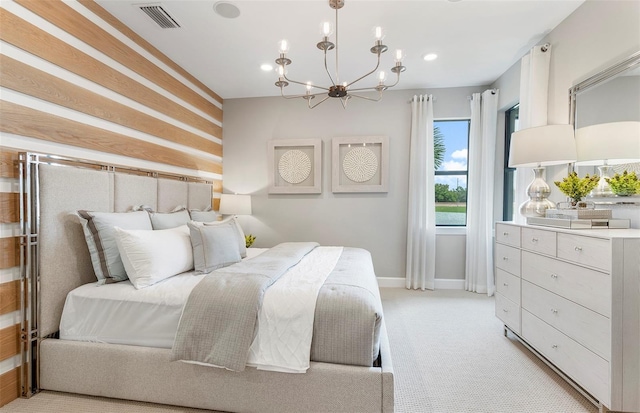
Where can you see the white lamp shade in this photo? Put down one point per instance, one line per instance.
(610, 143)
(235, 204)
(542, 145)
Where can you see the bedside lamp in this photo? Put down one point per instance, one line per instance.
(607, 144)
(234, 204)
(538, 147)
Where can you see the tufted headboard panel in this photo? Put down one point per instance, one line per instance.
(63, 256)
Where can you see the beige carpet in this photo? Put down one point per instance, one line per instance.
(449, 355)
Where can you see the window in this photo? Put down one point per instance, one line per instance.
(508, 199)
(451, 144)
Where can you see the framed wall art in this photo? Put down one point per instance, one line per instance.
(360, 164)
(295, 166)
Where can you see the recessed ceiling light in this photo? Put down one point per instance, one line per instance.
(430, 56)
(266, 67)
(226, 9)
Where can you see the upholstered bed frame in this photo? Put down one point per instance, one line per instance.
(57, 261)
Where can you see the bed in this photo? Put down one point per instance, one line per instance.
(335, 381)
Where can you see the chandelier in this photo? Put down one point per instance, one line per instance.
(342, 91)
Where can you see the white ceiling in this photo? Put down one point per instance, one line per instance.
(476, 40)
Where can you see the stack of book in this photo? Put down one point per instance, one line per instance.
(579, 219)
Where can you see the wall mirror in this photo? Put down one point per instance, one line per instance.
(613, 95)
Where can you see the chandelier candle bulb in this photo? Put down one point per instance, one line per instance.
(382, 76)
(399, 56)
(378, 33)
(326, 29)
(283, 46)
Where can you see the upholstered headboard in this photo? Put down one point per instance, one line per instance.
(63, 258)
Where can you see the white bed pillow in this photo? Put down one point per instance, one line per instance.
(152, 256)
(214, 246)
(242, 244)
(203, 216)
(98, 230)
(167, 220)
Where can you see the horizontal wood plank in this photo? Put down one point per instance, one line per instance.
(215, 204)
(9, 207)
(34, 40)
(10, 295)
(24, 121)
(74, 23)
(8, 159)
(34, 82)
(9, 341)
(113, 21)
(9, 252)
(9, 386)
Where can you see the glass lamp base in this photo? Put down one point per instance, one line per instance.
(538, 192)
(536, 208)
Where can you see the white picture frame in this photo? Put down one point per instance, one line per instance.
(360, 164)
(295, 166)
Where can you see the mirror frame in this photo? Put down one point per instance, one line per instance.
(632, 62)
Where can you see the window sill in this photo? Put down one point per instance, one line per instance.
(451, 230)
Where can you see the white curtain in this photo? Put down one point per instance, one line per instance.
(480, 192)
(534, 91)
(421, 225)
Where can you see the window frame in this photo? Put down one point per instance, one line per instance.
(509, 174)
(464, 173)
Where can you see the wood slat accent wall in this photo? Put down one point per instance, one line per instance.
(76, 100)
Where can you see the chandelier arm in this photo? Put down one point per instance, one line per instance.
(362, 77)
(325, 64)
(303, 84)
(337, 50)
(311, 107)
(368, 98)
(299, 96)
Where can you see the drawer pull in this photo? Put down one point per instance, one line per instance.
(505, 310)
(506, 234)
(578, 249)
(534, 239)
(505, 259)
(554, 346)
(554, 311)
(554, 276)
(505, 284)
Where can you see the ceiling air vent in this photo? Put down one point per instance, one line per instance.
(160, 16)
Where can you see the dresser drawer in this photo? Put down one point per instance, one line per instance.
(593, 252)
(508, 259)
(589, 288)
(508, 234)
(581, 324)
(539, 240)
(508, 312)
(583, 366)
(508, 285)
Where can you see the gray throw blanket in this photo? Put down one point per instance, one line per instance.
(218, 321)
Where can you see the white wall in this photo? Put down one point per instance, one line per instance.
(376, 222)
(597, 35)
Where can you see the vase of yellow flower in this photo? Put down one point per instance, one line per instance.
(577, 188)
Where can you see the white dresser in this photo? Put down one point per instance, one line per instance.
(573, 296)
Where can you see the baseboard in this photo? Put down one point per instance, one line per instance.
(440, 283)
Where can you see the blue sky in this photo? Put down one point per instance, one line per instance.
(456, 137)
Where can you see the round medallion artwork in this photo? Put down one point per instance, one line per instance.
(360, 164)
(294, 166)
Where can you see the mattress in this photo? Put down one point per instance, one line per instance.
(346, 327)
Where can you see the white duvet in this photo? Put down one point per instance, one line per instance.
(120, 314)
(285, 321)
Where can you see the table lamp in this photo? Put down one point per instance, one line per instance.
(538, 147)
(234, 204)
(607, 144)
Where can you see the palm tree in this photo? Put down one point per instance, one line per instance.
(438, 147)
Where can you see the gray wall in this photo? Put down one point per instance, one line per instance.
(376, 222)
(597, 35)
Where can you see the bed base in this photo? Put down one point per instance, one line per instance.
(146, 374)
